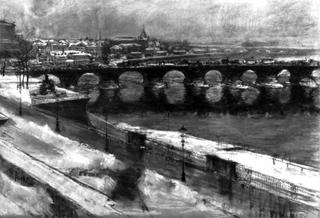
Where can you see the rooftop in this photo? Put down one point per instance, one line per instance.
(4, 22)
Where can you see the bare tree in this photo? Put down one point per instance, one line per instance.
(4, 55)
(23, 56)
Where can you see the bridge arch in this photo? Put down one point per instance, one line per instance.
(284, 76)
(88, 81)
(316, 76)
(129, 78)
(249, 77)
(213, 77)
(174, 76)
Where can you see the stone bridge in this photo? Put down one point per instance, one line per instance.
(70, 77)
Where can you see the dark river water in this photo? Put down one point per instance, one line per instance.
(295, 137)
(285, 126)
(290, 129)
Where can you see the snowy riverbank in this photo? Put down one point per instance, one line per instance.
(57, 160)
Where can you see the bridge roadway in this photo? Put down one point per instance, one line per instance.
(229, 72)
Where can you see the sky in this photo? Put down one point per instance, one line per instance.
(292, 22)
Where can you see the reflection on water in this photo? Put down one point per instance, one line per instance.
(249, 96)
(175, 93)
(131, 94)
(284, 95)
(316, 97)
(198, 97)
(293, 135)
(214, 94)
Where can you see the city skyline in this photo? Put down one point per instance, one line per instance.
(292, 23)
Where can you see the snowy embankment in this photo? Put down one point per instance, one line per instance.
(70, 157)
(153, 187)
(10, 90)
(73, 154)
(165, 194)
(88, 199)
(22, 199)
(73, 157)
(288, 172)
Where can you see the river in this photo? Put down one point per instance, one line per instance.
(287, 130)
(295, 136)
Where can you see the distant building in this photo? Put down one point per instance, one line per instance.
(161, 53)
(179, 51)
(8, 37)
(94, 48)
(78, 46)
(134, 55)
(139, 44)
(143, 35)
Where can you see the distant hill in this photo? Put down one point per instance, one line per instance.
(250, 43)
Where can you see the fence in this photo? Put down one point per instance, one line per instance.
(212, 163)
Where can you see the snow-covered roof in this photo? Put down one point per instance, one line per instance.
(80, 43)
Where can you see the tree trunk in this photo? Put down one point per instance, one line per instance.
(4, 67)
(27, 79)
(23, 79)
(20, 80)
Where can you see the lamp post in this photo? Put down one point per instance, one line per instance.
(57, 114)
(107, 139)
(182, 130)
(20, 103)
(168, 120)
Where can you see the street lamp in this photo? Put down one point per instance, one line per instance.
(57, 114)
(168, 120)
(182, 130)
(20, 103)
(107, 139)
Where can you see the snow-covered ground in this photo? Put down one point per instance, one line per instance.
(10, 90)
(31, 200)
(9, 208)
(162, 193)
(73, 154)
(296, 174)
(88, 199)
(70, 155)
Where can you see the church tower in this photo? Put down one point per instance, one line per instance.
(143, 35)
